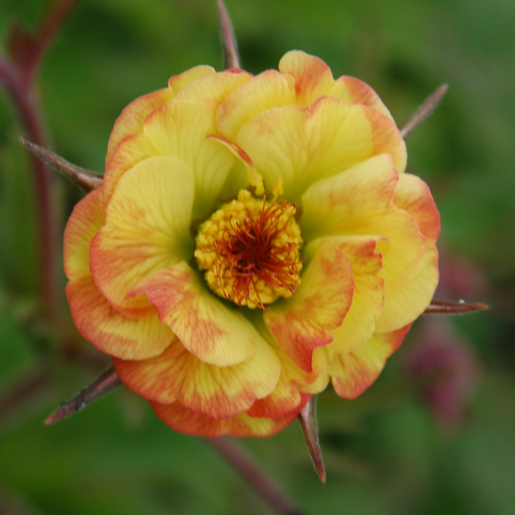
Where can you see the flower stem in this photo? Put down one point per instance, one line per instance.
(255, 477)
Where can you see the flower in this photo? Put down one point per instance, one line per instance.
(255, 238)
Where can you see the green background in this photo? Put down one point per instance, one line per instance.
(385, 452)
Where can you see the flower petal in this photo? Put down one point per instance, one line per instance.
(95, 319)
(85, 221)
(218, 392)
(147, 229)
(368, 299)
(179, 82)
(111, 332)
(414, 196)
(214, 87)
(307, 320)
(178, 129)
(408, 304)
(186, 421)
(313, 79)
(354, 372)
(303, 145)
(132, 117)
(205, 325)
(267, 90)
(359, 201)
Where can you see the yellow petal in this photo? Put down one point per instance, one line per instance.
(186, 421)
(208, 329)
(178, 129)
(108, 330)
(85, 221)
(303, 145)
(360, 202)
(111, 332)
(413, 195)
(179, 82)
(407, 305)
(307, 320)
(214, 87)
(218, 392)
(313, 79)
(147, 229)
(354, 372)
(132, 117)
(267, 90)
(368, 300)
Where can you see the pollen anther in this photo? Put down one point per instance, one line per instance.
(250, 251)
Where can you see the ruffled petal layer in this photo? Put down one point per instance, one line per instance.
(95, 319)
(218, 392)
(147, 229)
(177, 129)
(208, 329)
(307, 320)
(354, 372)
(360, 202)
(314, 79)
(186, 421)
(300, 146)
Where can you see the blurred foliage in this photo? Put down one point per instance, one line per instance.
(384, 452)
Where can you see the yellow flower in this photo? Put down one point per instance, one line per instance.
(255, 238)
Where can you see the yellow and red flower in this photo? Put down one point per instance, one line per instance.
(255, 238)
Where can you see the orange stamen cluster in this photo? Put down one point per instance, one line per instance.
(250, 249)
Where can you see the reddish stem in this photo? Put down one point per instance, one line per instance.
(25, 102)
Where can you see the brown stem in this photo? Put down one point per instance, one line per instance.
(422, 113)
(101, 386)
(454, 308)
(309, 425)
(229, 43)
(255, 477)
(84, 179)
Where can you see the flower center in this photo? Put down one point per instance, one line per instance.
(250, 251)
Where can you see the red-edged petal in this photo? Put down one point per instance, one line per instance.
(354, 372)
(208, 328)
(218, 392)
(307, 320)
(186, 421)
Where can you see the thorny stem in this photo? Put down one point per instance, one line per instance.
(104, 384)
(229, 44)
(262, 484)
(454, 308)
(18, 78)
(422, 113)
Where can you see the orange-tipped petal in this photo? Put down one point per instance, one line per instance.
(267, 90)
(354, 372)
(132, 117)
(209, 329)
(368, 299)
(313, 79)
(176, 375)
(177, 129)
(308, 320)
(359, 201)
(147, 229)
(186, 421)
(297, 145)
(214, 87)
(414, 196)
(95, 319)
